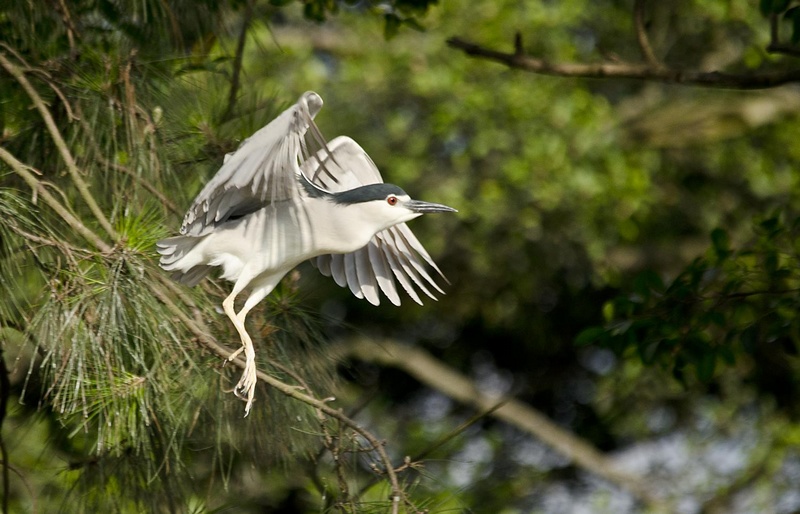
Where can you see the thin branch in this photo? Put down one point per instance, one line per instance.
(166, 202)
(61, 8)
(775, 46)
(774, 29)
(237, 61)
(448, 381)
(27, 175)
(72, 168)
(641, 35)
(209, 342)
(722, 500)
(628, 70)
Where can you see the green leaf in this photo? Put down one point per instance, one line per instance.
(771, 225)
(771, 262)
(726, 354)
(414, 24)
(647, 282)
(590, 335)
(705, 365)
(721, 242)
(648, 351)
(749, 338)
(793, 15)
(768, 7)
(608, 311)
(391, 26)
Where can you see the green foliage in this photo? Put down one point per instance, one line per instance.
(785, 10)
(582, 204)
(396, 13)
(729, 303)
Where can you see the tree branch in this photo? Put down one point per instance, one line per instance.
(628, 70)
(63, 149)
(166, 202)
(237, 61)
(448, 381)
(203, 335)
(641, 35)
(775, 46)
(38, 188)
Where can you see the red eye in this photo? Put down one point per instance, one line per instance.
(391, 200)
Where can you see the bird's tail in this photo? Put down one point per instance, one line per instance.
(173, 250)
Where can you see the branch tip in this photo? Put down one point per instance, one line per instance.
(518, 51)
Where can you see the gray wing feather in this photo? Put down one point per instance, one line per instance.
(352, 274)
(414, 243)
(262, 170)
(410, 265)
(344, 165)
(383, 272)
(397, 268)
(403, 245)
(367, 281)
(323, 264)
(372, 270)
(337, 268)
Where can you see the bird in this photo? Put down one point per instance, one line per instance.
(275, 203)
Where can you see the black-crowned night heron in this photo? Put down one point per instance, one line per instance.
(273, 205)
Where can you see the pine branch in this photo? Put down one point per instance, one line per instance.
(626, 70)
(237, 62)
(38, 187)
(450, 382)
(63, 149)
(203, 335)
(166, 202)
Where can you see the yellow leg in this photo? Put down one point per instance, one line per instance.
(246, 386)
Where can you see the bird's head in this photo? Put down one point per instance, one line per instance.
(385, 205)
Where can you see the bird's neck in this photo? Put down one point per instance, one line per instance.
(334, 231)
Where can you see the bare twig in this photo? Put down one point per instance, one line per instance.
(60, 95)
(61, 8)
(38, 187)
(774, 29)
(641, 35)
(448, 381)
(166, 202)
(775, 46)
(63, 149)
(628, 70)
(237, 61)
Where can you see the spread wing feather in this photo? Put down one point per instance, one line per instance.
(392, 254)
(383, 272)
(262, 170)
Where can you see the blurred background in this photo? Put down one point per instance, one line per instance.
(623, 264)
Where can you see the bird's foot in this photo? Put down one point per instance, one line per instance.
(246, 388)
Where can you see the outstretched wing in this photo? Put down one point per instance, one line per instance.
(262, 170)
(394, 253)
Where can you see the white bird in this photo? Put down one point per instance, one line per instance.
(273, 205)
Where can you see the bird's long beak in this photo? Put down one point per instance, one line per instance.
(427, 207)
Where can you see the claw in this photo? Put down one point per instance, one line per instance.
(246, 387)
(235, 354)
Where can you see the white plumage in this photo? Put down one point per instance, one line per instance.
(272, 205)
